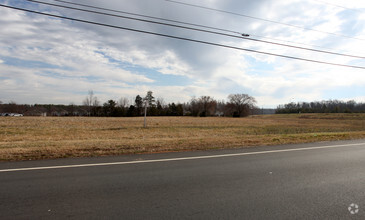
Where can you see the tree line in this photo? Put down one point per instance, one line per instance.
(237, 105)
(329, 106)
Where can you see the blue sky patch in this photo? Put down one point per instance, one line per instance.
(12, 61)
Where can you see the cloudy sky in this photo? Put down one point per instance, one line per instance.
(48, 60)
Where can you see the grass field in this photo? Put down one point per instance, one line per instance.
(24, 138)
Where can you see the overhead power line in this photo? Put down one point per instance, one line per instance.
(338, 6)
(187, 23)
(179, 38)
(196, 29)
(146, 16)
(262, 19)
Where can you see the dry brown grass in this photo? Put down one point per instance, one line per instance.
(50, 137)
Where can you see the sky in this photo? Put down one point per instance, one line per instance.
(47, 60)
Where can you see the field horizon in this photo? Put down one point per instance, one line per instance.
(31, 138)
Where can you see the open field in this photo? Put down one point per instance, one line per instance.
(24, 138)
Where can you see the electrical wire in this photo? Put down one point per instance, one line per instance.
(262, 19)
(179, 38)
(338, 6)
(187, 23)
(147, 16)
(196, 29)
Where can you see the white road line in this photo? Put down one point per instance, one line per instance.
(181, 158)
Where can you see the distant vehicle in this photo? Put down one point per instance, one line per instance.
(11, 114)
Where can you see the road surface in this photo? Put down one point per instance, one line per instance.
(308, 181)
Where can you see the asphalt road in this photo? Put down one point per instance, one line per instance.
(308, 181)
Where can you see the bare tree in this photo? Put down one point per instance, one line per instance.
(221, 104)
(12, 107)
(123, 102)
(208, 105)
(241, 104)
(96, 102)
(193, 107)
(88, 100)
(161, 101)
(91, 101)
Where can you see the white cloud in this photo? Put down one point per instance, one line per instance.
(52, 60)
